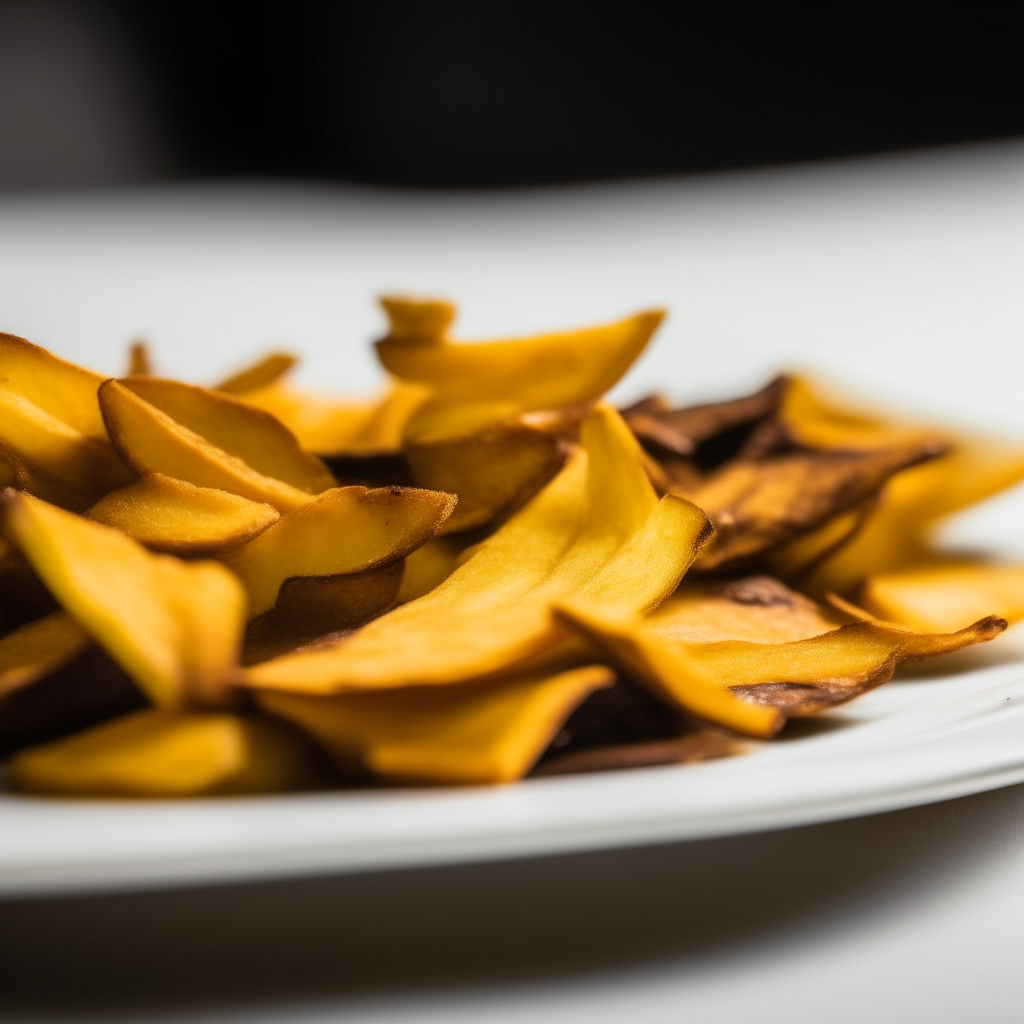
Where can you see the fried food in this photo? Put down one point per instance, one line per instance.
(209, 440)
(482, 573)
(53, 442)
(180, 518)
(759, 506)
(158, 753)
(344, 530)
(175, 627)
(629, 551)
(473, 384)
(471, 733)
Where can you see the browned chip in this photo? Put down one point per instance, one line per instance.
(310, 607)
(758, 506)
(721, 427)
(699, 745)
(760, 609)
(493, 471)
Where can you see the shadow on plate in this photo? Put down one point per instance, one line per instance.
(402, 932)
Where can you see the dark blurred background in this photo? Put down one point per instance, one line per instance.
(453, 93)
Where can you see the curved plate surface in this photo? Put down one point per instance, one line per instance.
(912, 742)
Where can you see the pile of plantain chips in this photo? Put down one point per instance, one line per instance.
(485, 573)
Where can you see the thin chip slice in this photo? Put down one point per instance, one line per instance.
(493, 471)
(670, 671)
(896, 534)
(760, 609)
(260, 374)
(309, 608)
(810, 675)
(345, 530)
(500, 379)
(210, 440)
(158, 753)
(473, 733)
(758, 506)
(946, 596)
(52, 438)
(719, 425)
(140, 363)
(797, 678)
(339, 427)
(174, 626)
(180, 518)
(597, 530)
(39, 648)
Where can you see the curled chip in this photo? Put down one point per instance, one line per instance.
(52, 439)
(311, 611)
(179, 518)
(345, 530)
(473, 384)
(711, 433)
(209, 440)
(175, 627)
(756, 608)
(493, 471)
(669, 670)
(759, 506)
(472, 733)
(157, 753)
(896, 533)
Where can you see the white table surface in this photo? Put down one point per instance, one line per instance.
(899, 277)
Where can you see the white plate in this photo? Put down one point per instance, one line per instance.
(912, 743)
(900, 276)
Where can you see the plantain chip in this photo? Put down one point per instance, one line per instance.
(671, 671)
(493, 471)
(474, 384)
(140, 363)
(946, 595)
(52, 439)
(805, 676)
(209, 440)
(174, 626)
(261, 374)
(710, 434)
(797, 678)
(160, 753)
(760, 609)
(895, 535)
(39, 648)
(309, 608)
(344, 530)
(493, 611)
(758, 506)
(334, 427)
(180, 518)
(472, 733)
